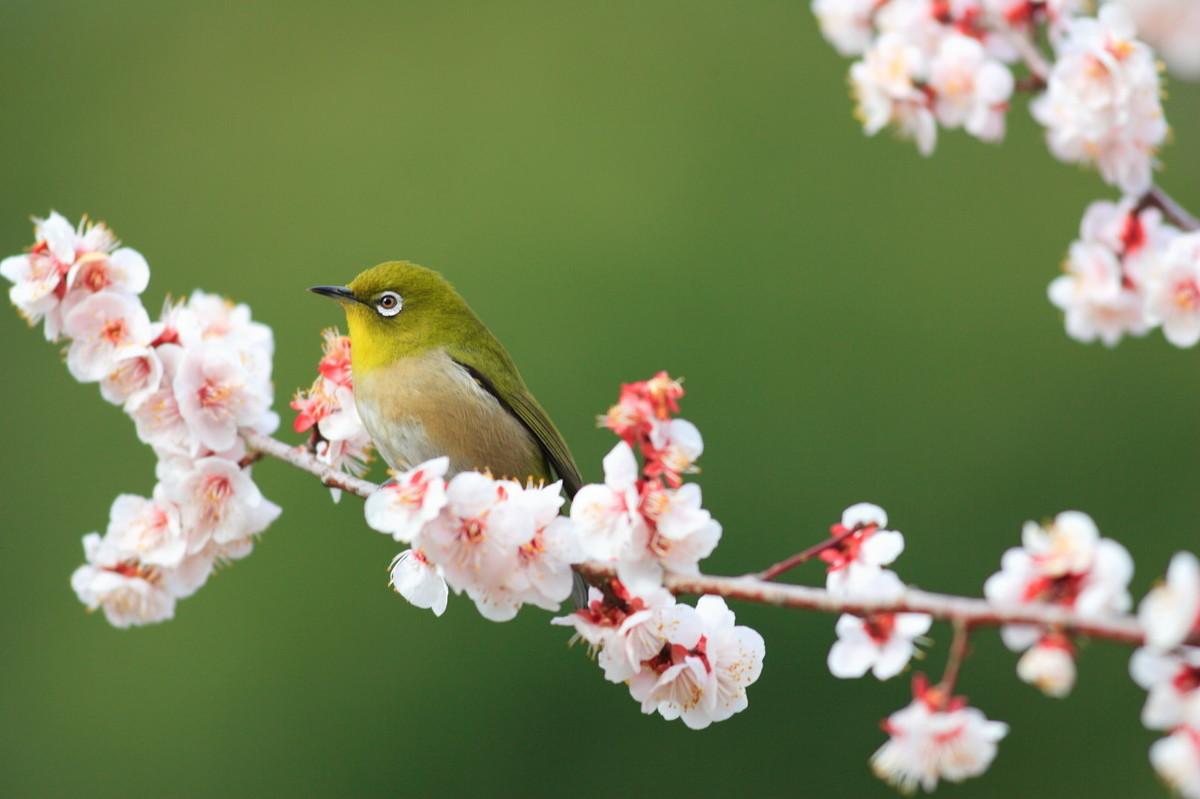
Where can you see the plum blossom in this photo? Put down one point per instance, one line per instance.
(861, 549)
(846, 24)
(129, 593)
(1176, 758)
(882, 643)
(607, 516)
(1174, 297)
(135, 377)
(1102, 104)
(1171, 611)
(104, 329)
(217, 394)
(887, 88)
(147, 529)
(409, 501)
(218, 504)
(1172, 28)
(1095, 299)
(1049, 665)
(706, 662)
(419, 581)
(1172, 680)
(971, 90)
(935, 738)
(157, 417)
(1064, 562)
(625, 629)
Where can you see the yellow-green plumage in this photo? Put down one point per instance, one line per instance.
(432, 380)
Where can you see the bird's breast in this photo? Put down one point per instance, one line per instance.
(426, 406)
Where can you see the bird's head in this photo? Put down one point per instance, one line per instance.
(397, 309)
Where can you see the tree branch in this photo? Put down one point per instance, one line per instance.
(1172, 211)
(965, 611)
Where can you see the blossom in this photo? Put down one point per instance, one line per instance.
(124, 271)
(1174, 298)
(409, 501)
(334, 365)
(104, 329)
(1172, 680)
(543, 576)
(1102, 102)
(157, 416)
(936, 738)
(607, 516)
(1176, 758)
(39, 276)
(627, 629)
(419, 581)
(706, 662)
(846, 24)
(886, 87)
(1095, 298)
(881, 643)
(128, 593)
(1066, 563)
(672, 450)
(971, 90)
(1171, 611)
(135, 376)
(217, 395)
(1049, 665)
(148, 530)
(218, 503)
(1136, 235)
(862, 549)
(1172, 28)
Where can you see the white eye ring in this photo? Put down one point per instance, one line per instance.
(389, 303)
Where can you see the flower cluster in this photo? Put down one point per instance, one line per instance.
(338, 437)
(1128, 273)
(682, 662)
(926, 63)
(647, 522)
(191, 381)
(937, 737)
(502, 543)
(1170, 672)
(1172, 27)
(1066, 563)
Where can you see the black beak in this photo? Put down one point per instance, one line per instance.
(340, 293)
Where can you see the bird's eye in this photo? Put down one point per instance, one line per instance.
(389, 303)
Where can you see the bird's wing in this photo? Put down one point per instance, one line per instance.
(521, 404)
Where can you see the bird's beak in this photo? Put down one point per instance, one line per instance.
(339, 293)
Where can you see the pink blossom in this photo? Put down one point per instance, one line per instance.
(410, 500)
(217, 395)
(219, 504)
(105, 328)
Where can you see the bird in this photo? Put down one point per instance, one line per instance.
(431, 380)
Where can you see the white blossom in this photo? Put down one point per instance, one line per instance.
(882, 643)
(1049, 665)
(846, 24)
(1171, 680)
(128, 594)
(1176, 758)
(1102, 102)
(219, 504)
(405, 504)
(971, 90)
(886, 87)
(1174, 296)
(1172, 28)
(607, 516)
(104, 329)
(1171, 611)
(419, 581)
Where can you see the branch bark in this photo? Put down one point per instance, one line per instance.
(965, 612)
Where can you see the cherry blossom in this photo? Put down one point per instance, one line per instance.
(882, 643)
(104, 329)
(971, 90)
(1097, 303)
(1102, 101)
(419, 581)
(1171, 611)
(935, 738)
(846, 24)
(409, 501)
(1172, 680)
(1064, 562)
(1049, 665)
(128, 593)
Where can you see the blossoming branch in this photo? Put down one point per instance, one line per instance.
(196, 383)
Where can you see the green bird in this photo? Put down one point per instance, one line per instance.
(430, 380)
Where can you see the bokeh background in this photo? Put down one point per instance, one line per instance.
(618, 187)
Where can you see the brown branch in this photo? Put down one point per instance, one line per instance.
(963, 610)
(787, 564)
(958, 653)
(1172, 211)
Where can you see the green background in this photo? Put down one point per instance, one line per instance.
(618, 187)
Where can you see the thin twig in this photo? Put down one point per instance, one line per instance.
(968, 611)
(954, 661)
(803, 557)
(1172, 211)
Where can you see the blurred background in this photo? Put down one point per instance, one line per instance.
(618, 188)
